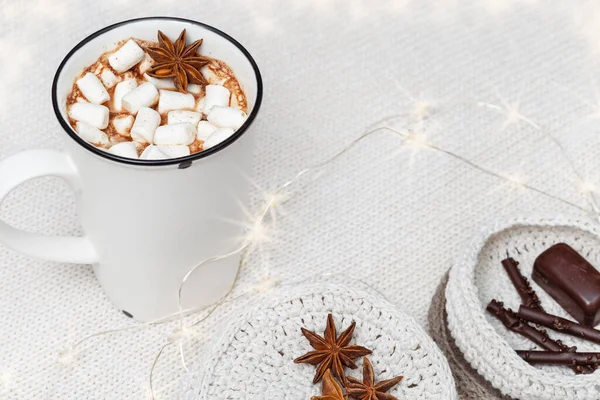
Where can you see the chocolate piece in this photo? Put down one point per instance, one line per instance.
(540, 337)
(554, 357)
(559, 324)
(528, 296)
(572, 281)
(510, 320)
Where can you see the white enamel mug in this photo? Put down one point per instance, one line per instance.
(146, 223)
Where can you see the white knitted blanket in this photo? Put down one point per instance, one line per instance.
(392, 219)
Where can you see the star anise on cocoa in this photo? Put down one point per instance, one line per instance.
(332, 352)
(367, 389)
(331, 390)
(177, 61)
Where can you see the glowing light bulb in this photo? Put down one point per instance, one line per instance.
(67, 355)
(511, 113)
(266, 284)
(416, 139)
(587, 187)
(183, 333)
(257, 232)
(516, 179)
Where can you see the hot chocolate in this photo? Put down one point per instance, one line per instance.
(156, 100)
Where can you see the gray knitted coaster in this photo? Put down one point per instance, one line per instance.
(470, 385)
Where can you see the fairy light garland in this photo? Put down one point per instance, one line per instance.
(257, 230)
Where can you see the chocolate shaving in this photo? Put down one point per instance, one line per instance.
(555, 357)
(538, 336)
(528, 296)
(559, 324)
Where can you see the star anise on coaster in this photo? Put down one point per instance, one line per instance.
(367, 389)
(178, 61)
(332, 352)
(331, 389)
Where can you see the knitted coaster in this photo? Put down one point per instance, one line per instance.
(477, 277)
(470, 385)
(253, 359)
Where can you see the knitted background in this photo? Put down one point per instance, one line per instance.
(394, 219)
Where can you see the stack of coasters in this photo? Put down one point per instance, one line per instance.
(486, 340)
(469, 383)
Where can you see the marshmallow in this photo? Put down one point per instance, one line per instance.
(93, 89)
(144, 95)
(124, 149)
(92, 114)
(226, 117)
(146, 63)
(216, 95)
(146, 122)
(217, 137)
(193, 88)
(121, 90)
(204, 129)
(152, 152)
(163, 83)
(109, 79)
(126, 57)
(177, 116)
(175, 151)
(181, 133)
(211, 76)
(91, 134)
(200, 105)
(170, 100)
(123, 124)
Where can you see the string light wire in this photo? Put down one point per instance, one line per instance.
(513, 113)
(151, 380)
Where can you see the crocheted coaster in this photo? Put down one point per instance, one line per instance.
(254, 357)
(470, 385)
(478, 277)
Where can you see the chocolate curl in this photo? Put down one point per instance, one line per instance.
(513, 323)
(559, 324)
(528, 296)
(555, 357)
(540, 337)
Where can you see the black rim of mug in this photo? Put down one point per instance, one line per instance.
(183, 162)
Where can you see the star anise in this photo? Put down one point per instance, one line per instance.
(332, 352)
(178, 61)
(331, 390)
(367, 389)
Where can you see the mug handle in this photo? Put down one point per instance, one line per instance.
(28, 165)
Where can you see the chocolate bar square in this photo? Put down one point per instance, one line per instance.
(572, 281)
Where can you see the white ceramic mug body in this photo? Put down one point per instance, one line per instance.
(147, 223)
